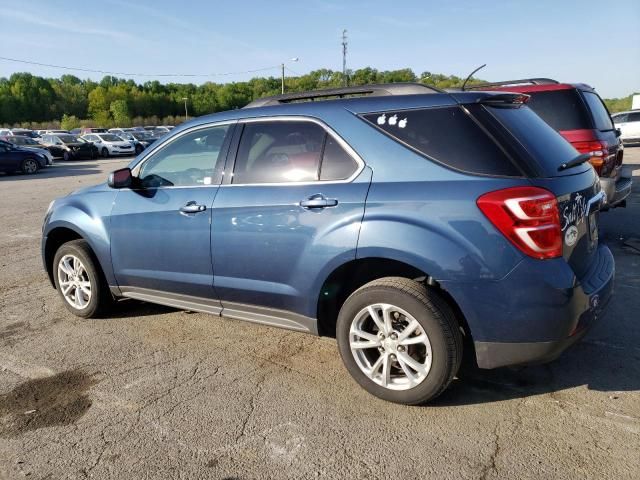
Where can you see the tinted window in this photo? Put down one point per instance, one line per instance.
(196, 158)
(634, 117)
(337, 164)
(562, 109)
(620, 118)
(110, 138)
(546, 146)
(601, 117)
(277, 152)
(449, 136)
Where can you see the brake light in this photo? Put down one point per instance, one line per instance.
(599, 153)
(528, 217)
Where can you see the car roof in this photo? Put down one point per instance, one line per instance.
(356, 105)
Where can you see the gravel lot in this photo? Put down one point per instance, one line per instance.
(159, 393)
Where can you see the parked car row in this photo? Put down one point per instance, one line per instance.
(419, 227)
(85, 143)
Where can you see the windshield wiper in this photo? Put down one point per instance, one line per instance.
(579, 160)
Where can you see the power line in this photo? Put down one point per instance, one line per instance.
(128, 74)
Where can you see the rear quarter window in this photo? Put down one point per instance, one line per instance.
(601, 117)
(449, 136)
(562, 109)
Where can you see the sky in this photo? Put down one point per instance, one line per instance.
(595, 42)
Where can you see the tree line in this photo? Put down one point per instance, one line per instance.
(31, 101)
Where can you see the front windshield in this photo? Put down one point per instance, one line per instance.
(68, 138)
(110, 138)
(140, 136)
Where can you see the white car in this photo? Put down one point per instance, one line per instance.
(109, 144)
(629, 125)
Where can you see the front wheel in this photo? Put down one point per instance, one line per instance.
(66, 156)
(139, 149)
(80, 281)
(399, 340)
(105, 152)
(29, 166)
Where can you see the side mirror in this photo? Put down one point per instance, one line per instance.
(120, 178)
(618, 132)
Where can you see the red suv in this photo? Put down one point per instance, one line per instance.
(577, 112)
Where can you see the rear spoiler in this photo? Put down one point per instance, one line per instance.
(505, 99)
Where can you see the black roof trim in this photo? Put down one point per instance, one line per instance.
(373, 90)
(532, 81)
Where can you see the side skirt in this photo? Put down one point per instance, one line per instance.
(249, 313)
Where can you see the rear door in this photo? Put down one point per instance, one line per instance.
(289, 213)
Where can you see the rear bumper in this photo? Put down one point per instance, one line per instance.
(536, 312)
(616, 189)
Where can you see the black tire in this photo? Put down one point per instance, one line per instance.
(105, 152)
(29, 166)
(139, 149)
(436, 319)
(66, 157)
(101, 299)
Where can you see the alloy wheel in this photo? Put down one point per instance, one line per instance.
(390, 346)
(74, 282)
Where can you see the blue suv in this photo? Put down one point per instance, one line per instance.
(413, 225)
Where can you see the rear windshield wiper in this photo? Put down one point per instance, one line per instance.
(579, 160)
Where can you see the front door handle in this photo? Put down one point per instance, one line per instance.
(318, 201)
(192, 207)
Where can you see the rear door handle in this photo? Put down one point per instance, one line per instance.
(192, 207)
(318, 201)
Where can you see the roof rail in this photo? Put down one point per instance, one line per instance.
(373, 90)
(532, 81)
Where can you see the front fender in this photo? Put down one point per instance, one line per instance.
(88, 216)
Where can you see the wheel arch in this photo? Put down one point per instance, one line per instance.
(349, 276)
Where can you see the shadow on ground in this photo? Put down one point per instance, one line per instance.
(55, 171)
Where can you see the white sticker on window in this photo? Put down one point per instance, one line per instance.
(393, 120)
(382, 119)
(207, 180)
(402, 123)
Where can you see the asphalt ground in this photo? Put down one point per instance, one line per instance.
(154, 392)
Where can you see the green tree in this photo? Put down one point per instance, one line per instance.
(120, 112)
(69, 122)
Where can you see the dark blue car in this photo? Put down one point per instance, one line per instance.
(16, 159)
(415, 226)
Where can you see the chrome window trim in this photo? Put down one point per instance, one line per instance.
(299, 118)
(162, 145)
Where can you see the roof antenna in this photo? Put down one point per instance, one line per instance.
(471, 75)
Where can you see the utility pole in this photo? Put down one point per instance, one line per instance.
(344, 57)
(282, 78)
(186, 113)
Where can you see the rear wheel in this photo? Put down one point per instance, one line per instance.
(105, 152)
(66, 157)
(29, 166)
(80, 281)
(399, 340)
(139, 149)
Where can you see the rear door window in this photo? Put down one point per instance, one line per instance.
(562, 109)
(633, 117)
(447, 135)
(601, 117)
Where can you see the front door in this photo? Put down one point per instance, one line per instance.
(290, 215)
(161, 228)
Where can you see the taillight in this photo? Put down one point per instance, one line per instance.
(528, 217)
(599, 153)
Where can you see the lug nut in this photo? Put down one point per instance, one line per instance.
(381, 349)
(392, 357)
(400, 348)
(381, 336)
(393, 336)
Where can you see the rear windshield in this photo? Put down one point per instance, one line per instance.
(546, 147)
(601, 117)
(562, 109)
(447, 135)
